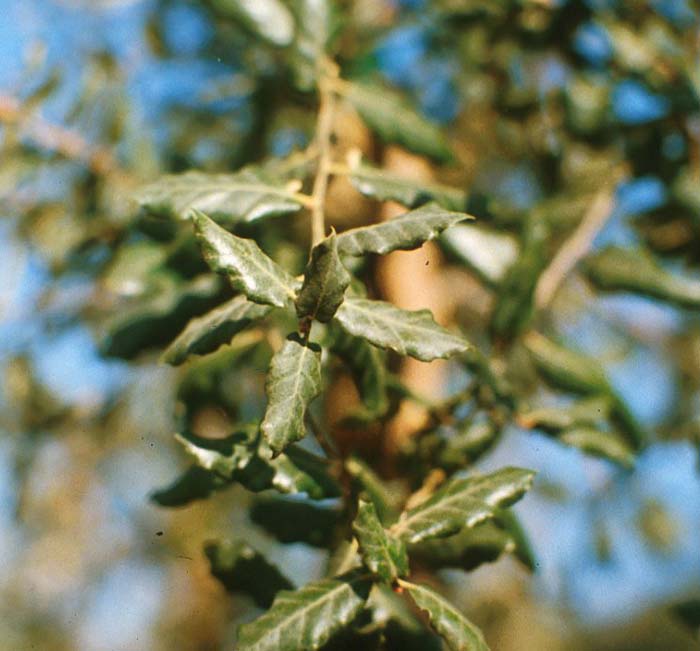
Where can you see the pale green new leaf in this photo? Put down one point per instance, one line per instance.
(305, 619)
(325, 282)
(394, 120)
(405, 232)
(269, 19)
(248, 269)
(407, 333)
(459, 633)
(293, 381)
(463, 502)
(247, 195)
(385, 186)
(206, 333)
(382, 554)
(618, 269)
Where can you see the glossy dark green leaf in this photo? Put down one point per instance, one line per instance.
(394, 120)
(296, 521)
(325, 282)
(407, 333)
(459, 633)
(619, 269)
(382, 554)
(405, 232)
(385, 186)
(368, 367)
(463, 502)
(206, 333)
(242, 569)
(194, 484)
(305, 619)
(607, 445)
(299, 471)
(293, 381)
(247, 195)
(248, 269)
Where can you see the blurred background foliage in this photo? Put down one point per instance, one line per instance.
(575, 132)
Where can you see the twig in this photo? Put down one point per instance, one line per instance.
(576, 246)
(324, 131)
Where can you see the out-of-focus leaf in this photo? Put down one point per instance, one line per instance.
(244, 196)
(368, 367)
(269, 19)
(394, 120)
(379, 184)
(299, 471)
(660, 529)
(248, 269)
(588, 411)
(514, 304)
(459, 633)
(407, 333)
(156, 317)
(382, 554)
(305, 619)
(242, 569)
(619, 269)
(607, 445)
(293, 381)
(405, 232)
(206, 333)
(385, 503)
(131, 270)
(314, 26)
(487, 253)
(566, 368)
(467, 444)
(325, 282)
(195, 484)
(296, 521)
(463, 503)
(689, 613)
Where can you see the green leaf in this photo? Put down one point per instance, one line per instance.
(467, 549)
(382, 554)
(248, 269)
(488, 253)
(315, 20)
(293, 381)
(607, 445)
(566, 368)
(689, 613)
(153, 319)
(463, 502)
(619, 269)
(459, 633)
(296, 521)
(206, 333)
(388, 114)
(242, 569)
(269, 19)
(299, 471)
(305, 619)
(588, 411)
(194, 484)
(405, 232)
(245, 196)
(407, 333)
(325, 282)
(382, 185)
(368, 367)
